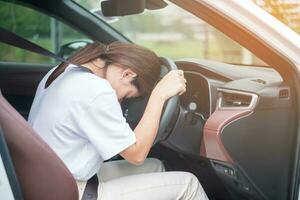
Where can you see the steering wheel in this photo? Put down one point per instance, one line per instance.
(133, 108)
(170, 106)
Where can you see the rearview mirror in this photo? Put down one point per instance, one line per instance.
(108, 19)
(129, 7)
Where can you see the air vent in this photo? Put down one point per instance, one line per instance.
(284, 94)
(235, 100)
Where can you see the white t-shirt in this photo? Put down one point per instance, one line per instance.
(80, 118)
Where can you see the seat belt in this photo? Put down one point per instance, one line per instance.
(13, 39)
(10, 38)
(91, 188)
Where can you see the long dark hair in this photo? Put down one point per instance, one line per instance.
(144, 62)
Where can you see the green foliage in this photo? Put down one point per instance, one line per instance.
(34, 26)
(194, 49)
(24, 21)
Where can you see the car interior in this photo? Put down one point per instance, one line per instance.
(234, 127)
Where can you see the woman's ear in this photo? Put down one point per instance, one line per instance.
(128, 74)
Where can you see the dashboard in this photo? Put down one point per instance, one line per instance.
(198, 94)
(238, 118)
(231, 113)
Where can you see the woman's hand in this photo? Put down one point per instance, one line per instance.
(170, 85)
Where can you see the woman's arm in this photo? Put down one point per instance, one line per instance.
(172, 84)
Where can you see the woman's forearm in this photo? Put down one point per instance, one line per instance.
(146, 130)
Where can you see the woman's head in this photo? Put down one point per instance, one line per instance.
(127, 67)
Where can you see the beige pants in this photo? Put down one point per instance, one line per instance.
(120, 180)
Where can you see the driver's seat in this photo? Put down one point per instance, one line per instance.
(40, 172)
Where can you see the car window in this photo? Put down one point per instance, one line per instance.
(37, 27)
(175, 33)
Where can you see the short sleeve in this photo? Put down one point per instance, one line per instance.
(103, 124)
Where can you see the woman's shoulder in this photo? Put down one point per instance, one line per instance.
(91, 81)
(84, 84)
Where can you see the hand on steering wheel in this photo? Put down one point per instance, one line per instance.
(133, 108)
(171, 105)
(172, 84)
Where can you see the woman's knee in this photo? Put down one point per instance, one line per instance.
(194, 189)
(155, 164)
(191, 178)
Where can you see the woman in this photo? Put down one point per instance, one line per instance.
(76, 111)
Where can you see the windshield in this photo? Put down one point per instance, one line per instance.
(175, 33)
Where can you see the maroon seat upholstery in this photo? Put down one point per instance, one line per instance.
(41, 174)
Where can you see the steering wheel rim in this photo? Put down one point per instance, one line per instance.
(170, 107)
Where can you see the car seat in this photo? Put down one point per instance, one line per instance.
(39, 171)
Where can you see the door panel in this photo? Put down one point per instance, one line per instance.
(19, 81)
